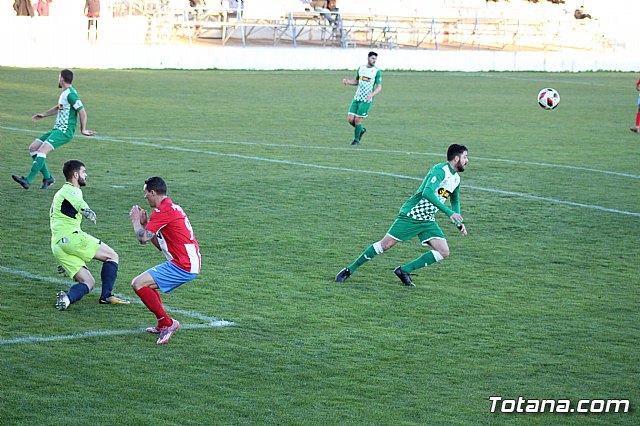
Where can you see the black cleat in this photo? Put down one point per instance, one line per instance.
(355, 142)
(343, 275)
(634, 129)
(47, 182)
(21, 180)
(362, 132)
(405, 277)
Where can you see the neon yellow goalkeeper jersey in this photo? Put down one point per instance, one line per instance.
(64, 216)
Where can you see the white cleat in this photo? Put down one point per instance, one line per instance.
(63, 301)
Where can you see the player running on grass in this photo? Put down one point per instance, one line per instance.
(68, 109)
(169, 230)
(369, 82)
(72, 247)
(417, 218)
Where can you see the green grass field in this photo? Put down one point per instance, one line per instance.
(539, 301)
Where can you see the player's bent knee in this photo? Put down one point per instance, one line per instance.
(84, 276)
(142, 280)
(386, 245)
(135, 283)
(444, 253)
(113, 257)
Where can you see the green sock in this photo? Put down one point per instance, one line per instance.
(426, 259)
(356, 132)
(366, 255)
(45, 170)
(36, 166)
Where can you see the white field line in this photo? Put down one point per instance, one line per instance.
(361, 149)
(371, 172)
(128, 139)
(209, 321)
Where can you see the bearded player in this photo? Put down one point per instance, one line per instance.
(169, 230)
(417, 218)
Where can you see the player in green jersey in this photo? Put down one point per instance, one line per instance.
(417, 218)
(68, 110)
(72, 247)
(369, 82)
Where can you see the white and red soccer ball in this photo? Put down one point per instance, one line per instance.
(548, 98)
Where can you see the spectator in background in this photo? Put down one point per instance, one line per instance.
(42, 7)
(23, 7)
(92, 11)
(234, 4)
(325, 8)
(579, 14)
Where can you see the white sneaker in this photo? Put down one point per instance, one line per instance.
(63, 301)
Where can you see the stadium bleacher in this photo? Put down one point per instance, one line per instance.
(515, 25)
(427, 24)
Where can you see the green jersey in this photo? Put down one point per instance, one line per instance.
(442, 183)
(64, 216)
(367, 78)
(68, 106)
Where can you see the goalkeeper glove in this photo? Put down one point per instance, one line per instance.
(89, 214)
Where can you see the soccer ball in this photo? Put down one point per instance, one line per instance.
(548, 98)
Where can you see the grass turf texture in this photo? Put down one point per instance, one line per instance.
(540, 300)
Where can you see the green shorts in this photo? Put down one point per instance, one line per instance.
(56, 138)
(73, 252)
(404, 228)
(360, 108)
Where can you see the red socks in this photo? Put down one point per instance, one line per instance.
(638, 119)
(151, 299)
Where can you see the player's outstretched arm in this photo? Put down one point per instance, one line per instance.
(47, 113)
(83, 124)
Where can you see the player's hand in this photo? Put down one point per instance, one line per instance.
(345, 81)
(136, 214)
(60, 269)
(455, 218)
(88, 132)
(369, 98)
(37, 117)
(144, 217)
(89, 214)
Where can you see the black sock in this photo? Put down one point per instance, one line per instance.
(77, 292)
(108, 275)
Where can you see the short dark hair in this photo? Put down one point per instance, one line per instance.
(157, 184)
(67, 76)
(70, 167)
(372, 53)
(454, 150)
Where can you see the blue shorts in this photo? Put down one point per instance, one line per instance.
(168, 276)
